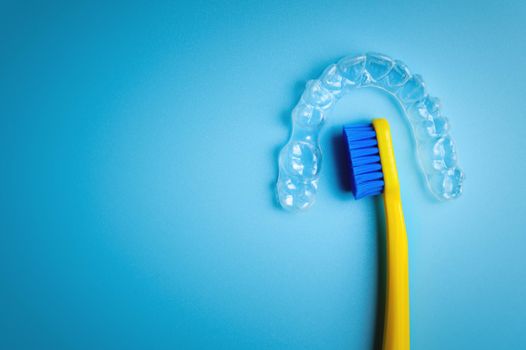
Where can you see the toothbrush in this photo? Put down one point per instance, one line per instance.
(373, 171)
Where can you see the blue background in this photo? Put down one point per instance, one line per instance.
(138, 147)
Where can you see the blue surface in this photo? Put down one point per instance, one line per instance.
(138, 148)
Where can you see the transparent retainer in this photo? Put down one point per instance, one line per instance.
(300, 159)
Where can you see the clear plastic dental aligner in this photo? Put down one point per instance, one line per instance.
(300, 159)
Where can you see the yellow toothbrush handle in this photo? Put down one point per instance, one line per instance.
(396, 332)
(396, 329)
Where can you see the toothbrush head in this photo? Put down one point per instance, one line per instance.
(367, 178)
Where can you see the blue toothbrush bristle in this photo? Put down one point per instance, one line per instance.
(365, 168)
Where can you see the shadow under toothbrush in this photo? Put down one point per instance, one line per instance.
(340, 155)
(381, 261)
